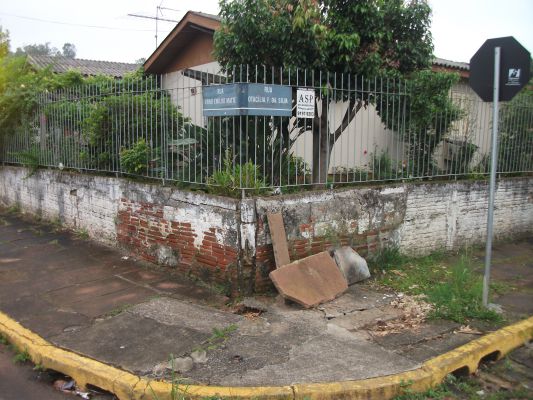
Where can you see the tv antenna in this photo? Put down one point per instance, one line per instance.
(158, 15)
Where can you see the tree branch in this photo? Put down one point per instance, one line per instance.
(349, 115)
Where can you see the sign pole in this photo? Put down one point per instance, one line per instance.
(493, 166)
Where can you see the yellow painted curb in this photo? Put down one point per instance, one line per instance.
(127, 386)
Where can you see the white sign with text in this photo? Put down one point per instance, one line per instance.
(305, 103)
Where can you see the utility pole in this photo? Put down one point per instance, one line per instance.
(157, 19)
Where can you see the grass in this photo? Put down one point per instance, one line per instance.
(3, 340)
(118, 310)
(14, 209)
(21, 356)
(82, 234)
(218, 338)
(462, 388)
(454, 289)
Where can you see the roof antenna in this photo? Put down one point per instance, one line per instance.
(157, 18)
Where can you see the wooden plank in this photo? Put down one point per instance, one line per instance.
(279, 239)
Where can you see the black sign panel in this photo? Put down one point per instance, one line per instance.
(514, 68)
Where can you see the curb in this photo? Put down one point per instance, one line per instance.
(127, 386)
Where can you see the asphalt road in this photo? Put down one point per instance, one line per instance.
(21, 382)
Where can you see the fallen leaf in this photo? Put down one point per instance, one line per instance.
(468, 330)
(398, 273)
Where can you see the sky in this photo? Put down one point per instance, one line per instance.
(102, 30)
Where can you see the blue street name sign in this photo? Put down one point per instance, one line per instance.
(247, 99)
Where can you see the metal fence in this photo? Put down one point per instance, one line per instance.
(356, 130)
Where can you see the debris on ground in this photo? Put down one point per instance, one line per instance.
(310, 281)
(70, 387)
(467, 329)
(352, 265)
(250, 308)
(414, 311)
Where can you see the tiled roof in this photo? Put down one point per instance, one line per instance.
(60, 64)
(441, 62)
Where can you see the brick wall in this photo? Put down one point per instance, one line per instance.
(418, 218)
(192, 232)
(227, 241)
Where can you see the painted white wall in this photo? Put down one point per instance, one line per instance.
(365, 136)
(186, 92)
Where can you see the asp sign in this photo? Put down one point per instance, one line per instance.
(305, 103)
(514, 68)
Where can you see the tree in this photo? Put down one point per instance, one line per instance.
(45, 49)
(515, 150)
(41, 49)
(4, 43)
(69, 50)
(387, 38)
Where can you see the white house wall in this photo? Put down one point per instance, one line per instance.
(365, 136)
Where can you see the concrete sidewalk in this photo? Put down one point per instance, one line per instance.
(91, 300)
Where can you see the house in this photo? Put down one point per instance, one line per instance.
(185, 61)
(60, 64)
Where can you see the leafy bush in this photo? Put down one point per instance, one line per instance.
(135, 159)
(232, 178)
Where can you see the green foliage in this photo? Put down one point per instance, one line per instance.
(20, 87)
(515, 150)
(458, 297)
(427, 113)
(3, 339)
(467, 388)
(82, 234)
(233, 177)
(368, 38)
(135, 159)
(4, 42)
(217, 338)
(21, 356)
(361, 37)
(453, 290)
(382, 166)
(30, 159)
(386, 259)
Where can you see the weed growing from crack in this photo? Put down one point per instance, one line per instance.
(39, 367)
(3, 340)
(21, 356)
(14, 209)
(118, 310)
(218, 338)
(179, 389)
(82, 234)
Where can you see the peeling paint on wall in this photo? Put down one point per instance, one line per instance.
(228, 240)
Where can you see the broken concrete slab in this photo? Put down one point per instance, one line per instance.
(170, 311)
(133, 342)
(352, 265)
(361, 319)
(279, 239)
(310, 281)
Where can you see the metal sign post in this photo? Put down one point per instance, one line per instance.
(510, 74)
(493, 166)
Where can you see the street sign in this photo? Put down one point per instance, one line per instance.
(247, 99)
(305, 103)
(514, 68)
(509, 63)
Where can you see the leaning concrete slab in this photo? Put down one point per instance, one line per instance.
(279, 239)
(310, 281)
